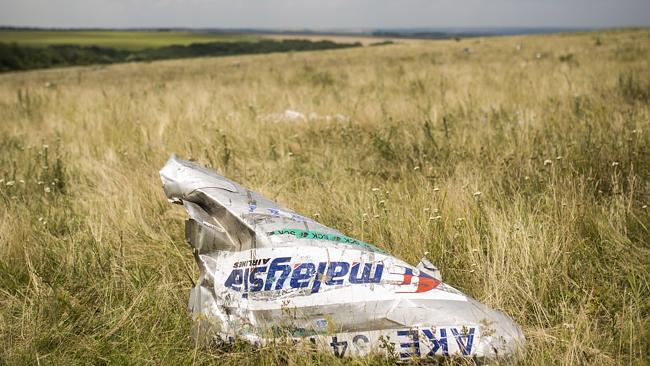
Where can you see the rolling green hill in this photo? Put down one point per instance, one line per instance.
(26, 50)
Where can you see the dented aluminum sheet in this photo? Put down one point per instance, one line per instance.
(265, 269)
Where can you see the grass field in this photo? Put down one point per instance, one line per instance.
(128, 40)
(522, 165)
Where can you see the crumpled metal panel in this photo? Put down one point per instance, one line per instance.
(267, 270)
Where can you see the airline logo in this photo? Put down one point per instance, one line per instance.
(425, 282)
(268, 274)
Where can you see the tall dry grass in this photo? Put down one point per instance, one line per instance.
(523, 172)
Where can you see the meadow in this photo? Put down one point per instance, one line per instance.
(520, 165)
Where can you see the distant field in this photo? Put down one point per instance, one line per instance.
(364, 40)
(132, 40)
(26, 50)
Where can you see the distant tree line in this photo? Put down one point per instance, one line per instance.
(14, 57)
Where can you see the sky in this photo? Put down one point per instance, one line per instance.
(324, 14)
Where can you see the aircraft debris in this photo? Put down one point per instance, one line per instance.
(290, 115)
(258, 259)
